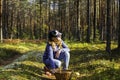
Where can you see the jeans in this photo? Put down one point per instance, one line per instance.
(64, 56)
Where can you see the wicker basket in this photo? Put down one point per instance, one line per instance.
(63, 75)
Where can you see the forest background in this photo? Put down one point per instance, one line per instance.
(85, 25)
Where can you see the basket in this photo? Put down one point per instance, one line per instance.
(63, 75)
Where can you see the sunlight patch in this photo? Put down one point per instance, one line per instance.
(17, 77)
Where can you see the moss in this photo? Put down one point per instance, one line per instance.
(90, 60)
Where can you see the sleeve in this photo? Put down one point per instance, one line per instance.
(65, 47)
(50, 52)
(50, 56)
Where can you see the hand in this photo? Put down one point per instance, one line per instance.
(58, 53)
(48, 73)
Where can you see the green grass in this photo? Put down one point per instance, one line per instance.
(91, 61)
(24, 47)
(10, 50)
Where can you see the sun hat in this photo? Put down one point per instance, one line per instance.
(54, 33)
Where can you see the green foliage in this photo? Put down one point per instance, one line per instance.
(26, 67)
(88, 61)
(23, 47)
(92, 62)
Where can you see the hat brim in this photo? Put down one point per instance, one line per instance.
(59, 34)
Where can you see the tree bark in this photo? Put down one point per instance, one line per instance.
(119, 28)
(78, 20)
(108, 34)
(94, 22)
(1, 32)
(88, 21)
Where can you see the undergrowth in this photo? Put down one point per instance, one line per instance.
(91, 61)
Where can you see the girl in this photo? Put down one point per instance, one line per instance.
(56, 50)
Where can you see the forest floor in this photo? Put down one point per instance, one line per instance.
(23, 61)
(9, 60)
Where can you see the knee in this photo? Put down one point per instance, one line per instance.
(67, 54)
(58, 64)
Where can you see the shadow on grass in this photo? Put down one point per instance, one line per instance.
(109, 74)
(36, 70)
(93, 65)
(80, 56)
(115, 54)
(88, 55)
(28, 70)
(33, 72)
(8, 55)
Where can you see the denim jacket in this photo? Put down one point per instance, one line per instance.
(49, 53)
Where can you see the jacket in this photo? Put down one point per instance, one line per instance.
(49, 54)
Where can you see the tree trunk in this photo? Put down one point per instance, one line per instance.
(1, 33)
(119, 28)
(67, 19)
(11, 25)
(40, 27)
(78, 20)
(4, 19)
(18, 23)
(88, 21)
(94, 22)
(108, 34)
